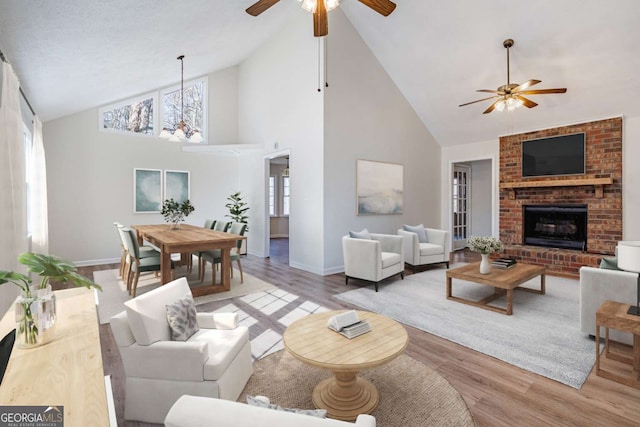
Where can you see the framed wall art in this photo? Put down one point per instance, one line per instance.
(176, 185)
(147, 190)
(379, 188)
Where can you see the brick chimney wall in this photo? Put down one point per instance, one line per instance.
(603, 141)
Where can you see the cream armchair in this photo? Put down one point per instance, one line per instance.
(598, 285)
(435, 250)
(213, 362)
(373, 259)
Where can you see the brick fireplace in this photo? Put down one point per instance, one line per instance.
(599, 189)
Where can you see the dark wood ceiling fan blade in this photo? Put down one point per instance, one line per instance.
(543, 91)
(320, 24)
(383, 7)
(525, 85)
(492, 106)
(479, 100)
(260, 6)
(526, 102)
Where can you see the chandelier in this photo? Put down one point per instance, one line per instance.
(182, 131)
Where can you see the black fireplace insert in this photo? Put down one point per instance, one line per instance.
(556, 226)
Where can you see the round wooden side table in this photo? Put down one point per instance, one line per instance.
(345, 395)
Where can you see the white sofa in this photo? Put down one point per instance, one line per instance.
(598, 285)
(215, 361)
(373, 259)
(435, 251)
(193, 411)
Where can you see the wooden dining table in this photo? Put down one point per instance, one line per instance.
(188, 239)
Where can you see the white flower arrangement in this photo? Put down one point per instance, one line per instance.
(484, 245)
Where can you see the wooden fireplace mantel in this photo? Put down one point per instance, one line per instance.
(597, 183)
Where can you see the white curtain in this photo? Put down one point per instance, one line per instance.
(13, 206)
(38, 193)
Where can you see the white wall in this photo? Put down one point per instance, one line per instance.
(630, 178)
(90, 175)
(366, 117)
(278, 102)
(469, 153)
(481, 190)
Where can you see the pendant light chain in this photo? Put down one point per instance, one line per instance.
(181, 58)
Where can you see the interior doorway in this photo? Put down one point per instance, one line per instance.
(278, 207)
(461, 205)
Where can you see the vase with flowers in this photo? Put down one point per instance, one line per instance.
(484, 246)
(35, 307)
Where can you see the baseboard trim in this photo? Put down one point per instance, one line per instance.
(90, 262)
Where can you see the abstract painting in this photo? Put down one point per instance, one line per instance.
(379, 188)
(147, 190)
(176, 185)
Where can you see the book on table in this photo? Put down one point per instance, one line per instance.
(348, 324)
(503, 262)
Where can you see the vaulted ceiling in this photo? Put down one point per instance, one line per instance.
(71, 55)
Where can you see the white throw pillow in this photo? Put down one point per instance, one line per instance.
(419, 230)
(364, 234)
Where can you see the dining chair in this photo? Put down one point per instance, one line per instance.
(138, 264)
(145, 251)
(209, 223)
(215, 256)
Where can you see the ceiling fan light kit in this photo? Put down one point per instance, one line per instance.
(509, 96)
(319, 8)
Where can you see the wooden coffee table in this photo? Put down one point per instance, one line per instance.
(503, 281)
(345, 395)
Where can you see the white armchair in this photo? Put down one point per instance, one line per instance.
(598, 285)
(373, 259)
(191, 411)
(436, 249)
(214, 362)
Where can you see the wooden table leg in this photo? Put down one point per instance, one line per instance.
(597, 349)
(225, 267)
(636, 357)
(509, 302)
(542, 284)
(165, 267)
(449, 287)
(345, 396)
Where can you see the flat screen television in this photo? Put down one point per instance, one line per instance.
(558, 155)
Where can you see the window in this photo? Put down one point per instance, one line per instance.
(272, 195)
(134, 115)
(285, 195)
(195, 95)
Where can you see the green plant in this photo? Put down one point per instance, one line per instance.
(176, 212)
(48, 267)
(237, 209)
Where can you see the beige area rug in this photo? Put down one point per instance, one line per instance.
(411, 394)
(114, 291)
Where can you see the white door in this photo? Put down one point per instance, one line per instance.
(461, 205)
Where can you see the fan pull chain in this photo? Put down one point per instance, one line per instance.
(326, 58)
(319, 63)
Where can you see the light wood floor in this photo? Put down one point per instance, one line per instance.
(498, 394)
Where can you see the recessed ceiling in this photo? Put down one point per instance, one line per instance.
(71, 55)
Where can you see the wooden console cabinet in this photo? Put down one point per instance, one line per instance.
(65, 372)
